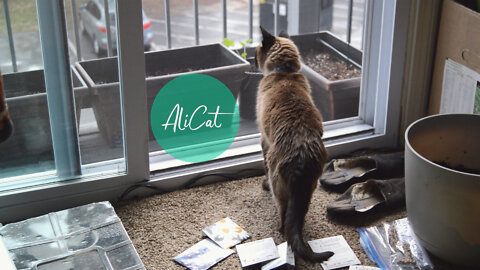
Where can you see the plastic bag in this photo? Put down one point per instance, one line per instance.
(394, 246)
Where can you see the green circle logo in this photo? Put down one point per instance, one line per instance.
(195, 118)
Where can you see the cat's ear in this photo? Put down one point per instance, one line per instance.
(284, 34)
(267, 41)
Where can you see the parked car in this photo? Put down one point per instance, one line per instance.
(93, 23)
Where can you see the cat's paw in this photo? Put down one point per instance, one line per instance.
(327, 254)
(266, 185)
(281, 227)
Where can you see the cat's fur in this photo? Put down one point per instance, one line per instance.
(292, 130)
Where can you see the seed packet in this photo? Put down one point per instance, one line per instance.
(226, 233)
(202, 255)
(257, 252)
(344, 255)
(286, 258)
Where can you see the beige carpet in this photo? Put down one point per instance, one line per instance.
(165, 225)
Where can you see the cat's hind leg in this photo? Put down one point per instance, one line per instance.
(281, 195)
(265, 147)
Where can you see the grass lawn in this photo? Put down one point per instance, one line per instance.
(23, 16)
(23, 13)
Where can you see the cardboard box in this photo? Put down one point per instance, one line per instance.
(458, 40)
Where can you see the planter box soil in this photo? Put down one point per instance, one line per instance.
(248, 92)
(335, 66)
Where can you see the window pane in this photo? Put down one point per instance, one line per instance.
(100, 127)
(340, 21)
(29, 149)
(162, 65)
(96, 99)
(332, 66)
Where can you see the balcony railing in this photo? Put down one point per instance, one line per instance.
(168, 23)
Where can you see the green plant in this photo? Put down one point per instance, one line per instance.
(243, 45)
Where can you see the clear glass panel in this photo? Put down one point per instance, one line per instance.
(340, 21)
(182, 17)
(333, 67)
(24, 26)
(96, 93)
(98, 113)
(29, 149)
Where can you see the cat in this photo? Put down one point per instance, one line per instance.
(292, 146)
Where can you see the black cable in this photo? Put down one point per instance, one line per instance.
(142, 184)
(188, 184)
(224, 175)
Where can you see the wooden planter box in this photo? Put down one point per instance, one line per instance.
(344, 94)
(27, 104)
(101, 76)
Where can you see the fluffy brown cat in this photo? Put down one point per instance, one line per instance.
(292, 130)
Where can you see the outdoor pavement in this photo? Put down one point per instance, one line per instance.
(27, 51)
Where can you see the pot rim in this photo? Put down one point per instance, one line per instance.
(410, 147)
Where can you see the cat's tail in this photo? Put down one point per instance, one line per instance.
(300, 195)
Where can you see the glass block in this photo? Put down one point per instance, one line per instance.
(86, 237)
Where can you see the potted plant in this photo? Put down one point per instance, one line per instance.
(27, 104)
(335, 66)
(251, 79)
(248, 91)
(101, 76)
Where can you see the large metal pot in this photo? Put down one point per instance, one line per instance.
(442, 165)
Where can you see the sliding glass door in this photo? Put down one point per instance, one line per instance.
(75, 141)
